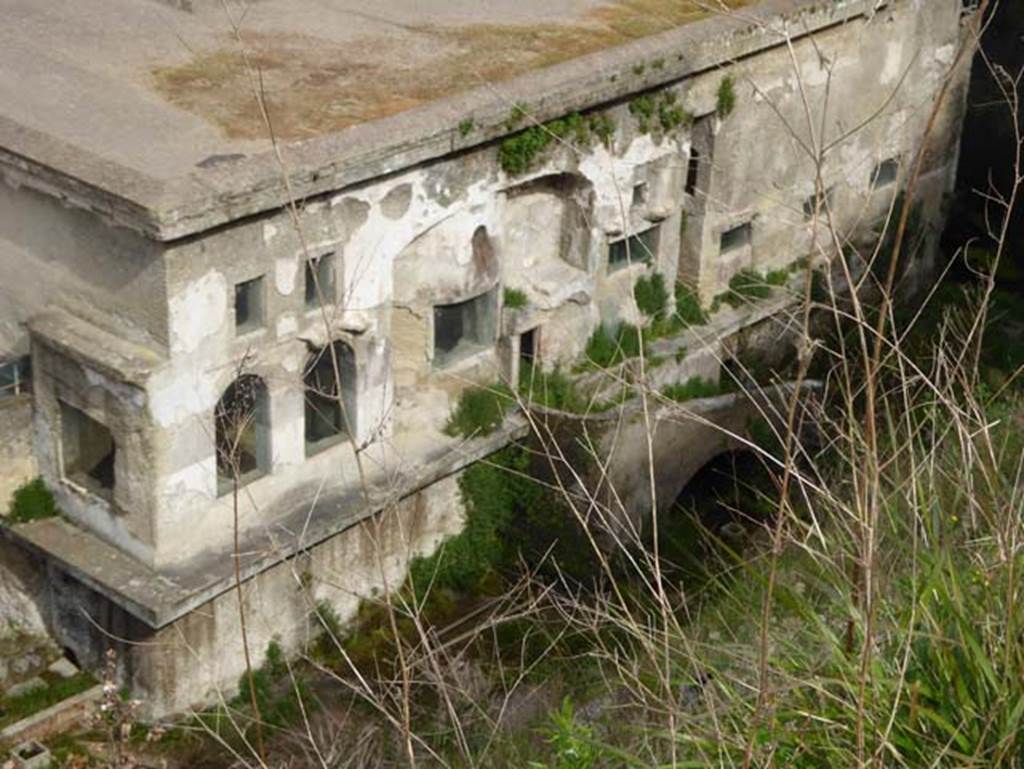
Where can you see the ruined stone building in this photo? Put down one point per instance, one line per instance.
(163, 265)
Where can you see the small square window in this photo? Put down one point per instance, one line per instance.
(885, 173)
(639, 248)
(640, 192)
(736, 238)
(16, 377)
(320, 272)
(88, 451)
(692, 171)
(249, 305)
(817, 203)
(463, 328)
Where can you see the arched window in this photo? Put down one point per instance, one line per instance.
(329, 418)
(242, 422)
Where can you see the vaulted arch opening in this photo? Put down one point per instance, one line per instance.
(242, 427)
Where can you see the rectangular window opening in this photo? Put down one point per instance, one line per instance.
(463, 328)
(885, 173)
(528, 347)
(817, 203)
(692, 171)
(16, 377)
(249, 306)
(735, 238)
(639, 248)
(640, 192)
(320, 272)
(88, 451)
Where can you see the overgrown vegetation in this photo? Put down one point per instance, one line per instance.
(32, 501)
(692, 388)
(55, 689)
(514, 299)
(518, 153)
(479, 411)
(726, 97)
(651, 295)
(609, 347)
(659, 113)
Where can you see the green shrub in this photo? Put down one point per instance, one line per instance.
(466, 126)
(37, 699)
(31, 502)
(573, 744)
(607, 348)
(670, 114)
(518, 153)
(603, 127)
(552, 389)
(726, 101)
(746, 285)
(480, 411)
(688, 308)
(515, 299)
(642, 108)
(651, 295)
(692, 388)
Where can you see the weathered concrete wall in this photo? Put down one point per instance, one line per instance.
(53, 256)
(17, 459)
(199, 659)
(853, 97)
(149, 340)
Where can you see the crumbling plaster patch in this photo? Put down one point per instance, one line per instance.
(198, 312)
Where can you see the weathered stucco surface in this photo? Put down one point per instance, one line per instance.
(137, 329)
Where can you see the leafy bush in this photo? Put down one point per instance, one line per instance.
(573, 744)
(746, 285)
(515, 299)
(552, 389)
(31, 502)
(651, 295)
(480, 411)
(606, 348)
(688, 308)
(518, 153)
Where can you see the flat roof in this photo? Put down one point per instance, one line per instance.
(150, 113)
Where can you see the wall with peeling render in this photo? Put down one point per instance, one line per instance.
(145, 339)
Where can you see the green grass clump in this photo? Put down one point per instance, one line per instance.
(726, 97)
(642, 108)
(603, 127)
(688, 308)
(515, 299)
(518, 153)
(480, 411)
(31, 502)
(608, 348)
(33, 701)
(659, 112)
(747, 285)
(651, 295)
(466, 126)
(552, 389)
(670, 114)
(281, 698)
(692, 388)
